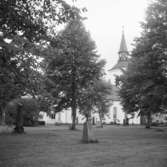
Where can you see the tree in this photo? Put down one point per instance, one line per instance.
(72, 65)
(96, 99)
(144, 84)
(25, 27)
(102, 92)
(20, 111)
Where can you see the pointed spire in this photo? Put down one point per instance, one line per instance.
(123, 51)
(123, 46)
(123, 55)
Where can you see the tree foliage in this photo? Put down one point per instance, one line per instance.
(25, 27)
(96, 99)
(144, 84)
(21, 111)
(72, 64)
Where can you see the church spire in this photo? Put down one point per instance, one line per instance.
(123, 55)
(123, 51)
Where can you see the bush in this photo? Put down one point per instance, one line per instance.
(34, 123)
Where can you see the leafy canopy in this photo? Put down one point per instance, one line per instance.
(72, 64)
(25, 28)
(144, 84)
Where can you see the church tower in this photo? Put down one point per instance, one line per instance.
(123, 51)
(123, 55)
(116, 112)
(122, 62)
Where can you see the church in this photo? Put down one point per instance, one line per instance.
(116, 115)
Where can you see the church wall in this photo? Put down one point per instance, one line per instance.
(48, 119)
(115, 115)
(136, 119)
(63, 117)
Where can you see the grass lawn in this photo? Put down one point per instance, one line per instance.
(57, 146)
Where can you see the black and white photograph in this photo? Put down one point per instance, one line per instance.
(83, 83)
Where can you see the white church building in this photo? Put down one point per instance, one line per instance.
(116, 114)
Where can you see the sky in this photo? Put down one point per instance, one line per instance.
(105, 21)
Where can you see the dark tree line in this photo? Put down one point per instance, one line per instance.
(54, 68)
(73, 66)
(144, 84)
(25, 28)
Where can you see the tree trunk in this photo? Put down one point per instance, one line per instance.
(19, 120)
(126, 120)
(73, 106)
(3, 122)
(88, 136)
(148, 122)
(73, 126)
(101, 122)
(85, 137)
(73, 88)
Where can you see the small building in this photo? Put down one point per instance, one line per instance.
(63, 117)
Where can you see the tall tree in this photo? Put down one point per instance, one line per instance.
(20, 112)
(72, 65)
(94, 99)
(102, 93)
(144, 84)
(24, 27)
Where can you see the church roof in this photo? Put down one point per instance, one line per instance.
(123, 55)
(120, 65)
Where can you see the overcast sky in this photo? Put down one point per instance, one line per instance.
(105, 21)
